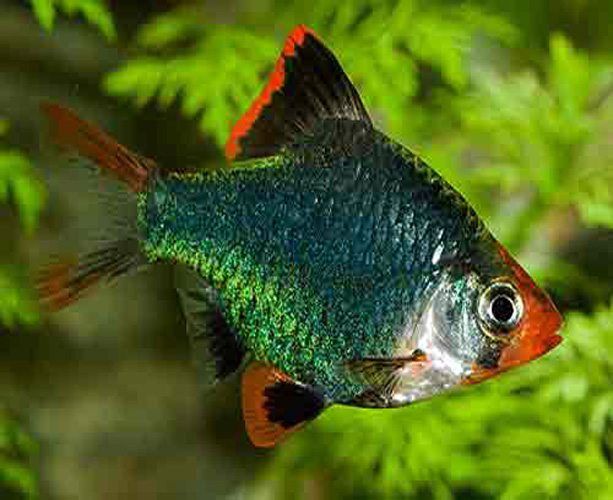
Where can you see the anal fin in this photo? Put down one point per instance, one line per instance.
(275, 406)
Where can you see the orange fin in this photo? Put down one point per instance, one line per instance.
(306, 87)
(274, 406)
(71, 132)
(62, 283)
(57, 288)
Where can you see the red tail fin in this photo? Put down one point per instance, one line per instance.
(70, 132)
(62, 283)
(58, 288)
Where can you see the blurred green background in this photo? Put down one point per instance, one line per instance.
(510, 101)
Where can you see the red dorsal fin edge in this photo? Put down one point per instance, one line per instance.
(319, 90)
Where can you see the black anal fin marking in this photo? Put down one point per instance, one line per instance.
(216, 350)
(306, 87)
(289, 404)
(274, 405)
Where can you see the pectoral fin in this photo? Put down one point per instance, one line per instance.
(274, 406)
(381, 376)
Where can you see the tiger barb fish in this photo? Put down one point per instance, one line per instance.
(335, 260)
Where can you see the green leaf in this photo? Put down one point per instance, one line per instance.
(222, 69)
(171, 28)
(44, 10)
(17, 305)
(216, 81)
(94, 11)
(19, 184)
(16, 449)
(570, 75)
(14, 438)
(541, 142)
(18, 477)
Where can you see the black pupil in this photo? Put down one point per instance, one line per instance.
(503, 308)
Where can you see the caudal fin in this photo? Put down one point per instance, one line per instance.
(112, 247)
(72, 133)
(61, 283)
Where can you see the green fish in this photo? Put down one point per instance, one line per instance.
(329, 260)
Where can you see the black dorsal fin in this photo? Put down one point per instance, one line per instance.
(216, 351)
(306, 87)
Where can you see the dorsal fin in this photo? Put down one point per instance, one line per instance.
(306, 87)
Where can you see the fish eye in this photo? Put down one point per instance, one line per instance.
(500, 307)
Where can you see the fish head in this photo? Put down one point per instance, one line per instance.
(518, 316)
(482, 317)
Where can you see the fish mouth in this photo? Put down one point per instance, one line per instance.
(532, 342)
(536, 335)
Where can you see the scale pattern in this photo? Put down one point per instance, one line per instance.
(320, 255)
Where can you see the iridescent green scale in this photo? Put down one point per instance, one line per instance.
(318, 259)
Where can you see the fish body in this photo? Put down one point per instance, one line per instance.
(317, 259)
(341, 264)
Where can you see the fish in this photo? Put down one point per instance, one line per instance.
(328, 263)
